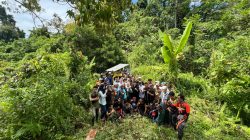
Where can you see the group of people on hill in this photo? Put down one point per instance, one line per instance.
(117, 97)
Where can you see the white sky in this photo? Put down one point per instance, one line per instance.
(25, 21)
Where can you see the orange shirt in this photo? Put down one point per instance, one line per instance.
(183, 108)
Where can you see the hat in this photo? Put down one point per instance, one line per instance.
(100, 79)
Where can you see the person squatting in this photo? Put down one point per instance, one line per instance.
(126, 95)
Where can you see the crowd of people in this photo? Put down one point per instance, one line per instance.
(117, 97)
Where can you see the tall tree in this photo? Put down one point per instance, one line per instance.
(8, 29)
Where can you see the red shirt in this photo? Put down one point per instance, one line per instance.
(183, 108)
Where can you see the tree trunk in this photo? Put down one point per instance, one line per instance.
(176, 9)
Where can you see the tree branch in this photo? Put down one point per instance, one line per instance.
(32, 12)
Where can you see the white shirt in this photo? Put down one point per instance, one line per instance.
(102, 99)
(164, 96)
(141, 88)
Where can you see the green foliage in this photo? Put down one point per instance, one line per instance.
(215, 64)
(212, 120)
(170, 52)
(40, 32)
(154, 72)
(45, 80)
(188, 85)
(8, 29)
(19, 48)
(103, 14)
(105, 49)
(229, 61)
(184, 38)
(131, 128)
(208, 120)
(45, 94)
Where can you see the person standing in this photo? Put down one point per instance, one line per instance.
(163, 117)
(102, 100)
(95, 105)
(141, 90)
(135, 89)
(173, 111)
(184, 111)
(110, 96)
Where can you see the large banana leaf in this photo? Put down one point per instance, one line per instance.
(184, 38)
(166, 39)
(165, 54)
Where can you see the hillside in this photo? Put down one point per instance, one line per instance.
(202, 50)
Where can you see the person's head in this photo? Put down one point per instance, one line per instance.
(109, 74)
(150, 81)
(102, 88)
(131, 101)
(128, 84)
(127, 102)
(171, 94)
(140, 82)
(157, 83)
(157, 86)
(95, 87)
(181, 98)
(163, 83)
(139, 79)
(110, 88)
(116, 79)
(101, 80)
(140, 100)
(122, 85)
(110, 108)
(119, 99)
(151, 86)
(169, 86)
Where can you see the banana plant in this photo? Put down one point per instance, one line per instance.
(170, 52)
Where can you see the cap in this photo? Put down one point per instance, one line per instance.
(163, 83)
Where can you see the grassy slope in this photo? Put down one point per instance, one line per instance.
(207, 121)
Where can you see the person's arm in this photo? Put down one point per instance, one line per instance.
(187, 111)
(93, 99)
(108, 113)
(151, 94)
(146, 109)
(90, 98)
